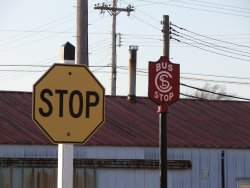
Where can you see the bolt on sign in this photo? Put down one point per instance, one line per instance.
(68, 103)
(164, 82)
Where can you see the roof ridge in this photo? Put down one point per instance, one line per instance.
(10, 91)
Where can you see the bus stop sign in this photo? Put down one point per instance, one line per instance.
(164, 82)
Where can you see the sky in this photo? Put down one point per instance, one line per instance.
(211, 41)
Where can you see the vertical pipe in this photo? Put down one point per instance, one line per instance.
(223, 169)
(132, 73)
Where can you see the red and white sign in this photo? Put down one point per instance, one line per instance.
(164, 82)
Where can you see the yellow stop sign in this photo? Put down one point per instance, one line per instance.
(68, 103)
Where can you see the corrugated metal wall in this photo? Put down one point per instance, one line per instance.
(43, 178)
(205, 171)
(206, 168)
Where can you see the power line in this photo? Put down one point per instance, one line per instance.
(218, 81)
(216, 7)
(210, 45)
(151, 25)
(218, 76)
(210, 50)
(34, 31)
(154, 19)
(222, 5)
(173, 31)
(192, 8)
(204, 90)
(30, 42)
(22, 36)
(191, 96)
(181, 28)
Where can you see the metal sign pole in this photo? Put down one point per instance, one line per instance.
(163, 112)
(65, 166)
(163, 146)
(66, 151)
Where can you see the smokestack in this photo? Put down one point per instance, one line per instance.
(132, 73)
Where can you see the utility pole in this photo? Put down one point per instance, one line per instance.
(163, 113)
(82, 32)
(113, 11)
(166, 37)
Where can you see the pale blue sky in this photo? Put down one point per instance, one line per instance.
(32, 31)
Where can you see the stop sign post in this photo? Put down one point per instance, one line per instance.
(68, 103)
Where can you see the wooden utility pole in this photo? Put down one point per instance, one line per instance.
(82, 32)
(113, 11)
(166, 37)
(113, 58)
(163, 113)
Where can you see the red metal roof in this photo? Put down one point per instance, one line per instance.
(191, 123)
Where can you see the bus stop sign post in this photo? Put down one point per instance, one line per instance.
(163, 89)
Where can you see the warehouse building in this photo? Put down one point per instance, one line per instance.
(208, 146)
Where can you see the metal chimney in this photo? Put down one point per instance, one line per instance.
(132, 73)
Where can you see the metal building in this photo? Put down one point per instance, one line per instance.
(208, 146)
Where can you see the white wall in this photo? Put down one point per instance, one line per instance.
(205, 172)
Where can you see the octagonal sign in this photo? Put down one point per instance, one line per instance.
(164, 82)
(68, 103)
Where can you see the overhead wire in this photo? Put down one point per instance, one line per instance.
(217, 76)
(215, 7)
(181, 28)
(194, 8)
(208, 44)
(217, 81)
(231, 52)
(139, 70)
(223, 5)
(124, 68)
(30, 42)
(151, 25)
(218, 53)
(216, 93)
(192, 96)
(7, 76)
(24, 35)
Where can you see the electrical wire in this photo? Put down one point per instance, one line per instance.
(217, 76)
(217, 81)
(223, 5)
(151, 25)
(181, 28)
(22, 36)
(218, 53)
(191, 96)
(208, 44)
(224, 95)
(34, 31)
(216, 7)
(30, 42)
(193, 8)
(154, 19)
